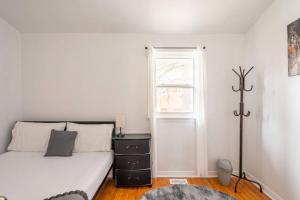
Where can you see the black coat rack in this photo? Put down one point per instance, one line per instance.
(242, 75)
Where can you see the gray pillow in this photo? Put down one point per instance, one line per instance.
(61, 143)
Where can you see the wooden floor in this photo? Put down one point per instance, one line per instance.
(247, 191)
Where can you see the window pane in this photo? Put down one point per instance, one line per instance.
(174, 71)
(171, 99)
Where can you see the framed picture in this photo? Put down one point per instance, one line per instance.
(294, 48)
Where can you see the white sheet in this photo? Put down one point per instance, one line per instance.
(31, 176)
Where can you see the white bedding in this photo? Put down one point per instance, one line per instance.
(31, 176)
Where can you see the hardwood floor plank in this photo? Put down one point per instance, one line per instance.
(247, 191)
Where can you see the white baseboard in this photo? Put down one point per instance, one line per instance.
(267, 190)
(214, 174)
(179, 174)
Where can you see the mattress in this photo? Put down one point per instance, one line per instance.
(31, 176)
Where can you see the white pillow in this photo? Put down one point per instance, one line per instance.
(92, 137)
(31, 136)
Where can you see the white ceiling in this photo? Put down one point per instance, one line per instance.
(132, 16)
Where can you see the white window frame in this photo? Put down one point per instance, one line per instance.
(199, 114)
(177, 54)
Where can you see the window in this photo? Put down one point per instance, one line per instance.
(176, 102)
(174, 81)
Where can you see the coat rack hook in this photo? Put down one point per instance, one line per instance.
(234, 89)
(236, 113)
(249, 71)
(236, 73)
(248, 114)
(248, 90)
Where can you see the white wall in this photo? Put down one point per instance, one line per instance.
(10, 81)
(273, 148)
(94, 76)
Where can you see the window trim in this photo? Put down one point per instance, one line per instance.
(200, 112)
(178, 54)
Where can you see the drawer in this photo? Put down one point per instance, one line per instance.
(133, 178)
(132, 162)
(132, 146)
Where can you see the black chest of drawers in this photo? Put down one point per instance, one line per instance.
(132, 160)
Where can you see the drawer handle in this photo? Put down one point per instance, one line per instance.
(133, 162)
(135, 178)
(132, 147)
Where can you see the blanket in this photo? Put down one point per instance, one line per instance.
(73, 195)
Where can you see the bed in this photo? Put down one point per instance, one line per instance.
(31, 176)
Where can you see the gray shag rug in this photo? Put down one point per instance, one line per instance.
(185, 192)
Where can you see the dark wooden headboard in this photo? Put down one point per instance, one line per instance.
(81, 122)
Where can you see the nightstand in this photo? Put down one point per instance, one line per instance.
(132, 160)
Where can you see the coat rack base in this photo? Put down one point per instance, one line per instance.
(244, 177)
